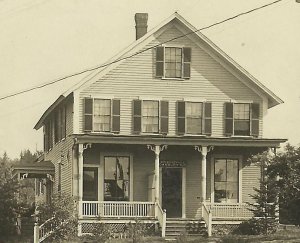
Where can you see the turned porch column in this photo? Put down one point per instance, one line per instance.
(203, 150)
(80, 176)
(157, 149)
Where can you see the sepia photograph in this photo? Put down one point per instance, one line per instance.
(149, 121)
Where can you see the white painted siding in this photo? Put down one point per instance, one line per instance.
(135, 77)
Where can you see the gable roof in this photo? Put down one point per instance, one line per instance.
(137, 47)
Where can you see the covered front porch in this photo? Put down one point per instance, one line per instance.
(120, 179)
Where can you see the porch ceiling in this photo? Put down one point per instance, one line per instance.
(176, 140)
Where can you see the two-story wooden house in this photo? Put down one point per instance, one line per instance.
(166, 129)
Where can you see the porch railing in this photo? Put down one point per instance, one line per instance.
(230, 211)
(162, 218)
(207, 217)
(117, 209)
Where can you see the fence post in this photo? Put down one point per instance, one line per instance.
(79, 229)
(36, 236)
(209, 228)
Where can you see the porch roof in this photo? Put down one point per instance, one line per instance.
(178, 140)
(34, 169)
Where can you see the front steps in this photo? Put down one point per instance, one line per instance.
(178, 226)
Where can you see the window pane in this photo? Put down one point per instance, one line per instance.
(220, 170)
(242, 127)
(193, 125)
(241, 111)
(226, 180)
(232, 170)
(116, 182)
(173, 62)
(102, 115)
(150, 116)
(220, 192)
(90, 184)
(232, 192)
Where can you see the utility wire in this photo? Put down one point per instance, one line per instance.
(136, 53)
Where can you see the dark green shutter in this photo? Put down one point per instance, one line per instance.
(159, 62)
(164, 117)
(187, 57)
(88, 114)
(255, 119)
(228, 119)
(207, 118)
(116, 116)
(137, 116)
(180, 117)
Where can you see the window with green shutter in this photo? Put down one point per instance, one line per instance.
(101, 115)
(241, 119)
(193, 118)
(173, 62)
(150, 116)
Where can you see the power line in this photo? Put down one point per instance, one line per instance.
(136, 53)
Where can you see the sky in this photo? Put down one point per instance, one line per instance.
(43, 40)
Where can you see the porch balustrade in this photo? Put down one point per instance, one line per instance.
(117, 209)
(230, 211)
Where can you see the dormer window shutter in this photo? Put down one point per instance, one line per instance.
(228, 119)
(255, 119)
(207, 118)
(164, 117)
(88, 114)
(137, 116)
(180, 117)
(159, 62)
(187, 57)
(115, 116)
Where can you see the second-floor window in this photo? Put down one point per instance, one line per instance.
(193, 118)
(242, 119)
(173, 62)
(101, 115)
(150, 116)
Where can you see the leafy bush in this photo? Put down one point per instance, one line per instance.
(137, 231)
(254, 226)
(63, 209)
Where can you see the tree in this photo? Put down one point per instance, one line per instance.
(286, 165)
(8, 202)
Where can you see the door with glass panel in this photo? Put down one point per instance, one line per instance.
(116, 178)
(90, 184)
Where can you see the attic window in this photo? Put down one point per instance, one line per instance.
(173, 62)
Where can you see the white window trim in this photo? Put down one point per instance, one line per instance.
(202, 117)
(151, 133)
(250, 120)
(212, 186)
(95, 97)
(101, 176)
(174, 78)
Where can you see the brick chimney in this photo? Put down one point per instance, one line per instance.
(141, 26)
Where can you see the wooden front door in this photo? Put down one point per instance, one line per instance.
(172, 191)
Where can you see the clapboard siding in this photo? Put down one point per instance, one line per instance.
(251, 179)
(135, 77)
(63, 151)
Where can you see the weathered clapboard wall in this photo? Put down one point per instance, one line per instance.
(135, 78)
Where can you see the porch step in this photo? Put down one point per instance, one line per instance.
(176, 227)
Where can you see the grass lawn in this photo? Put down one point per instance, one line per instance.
(289, 235)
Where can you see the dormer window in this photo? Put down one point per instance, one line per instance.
(173, 62)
